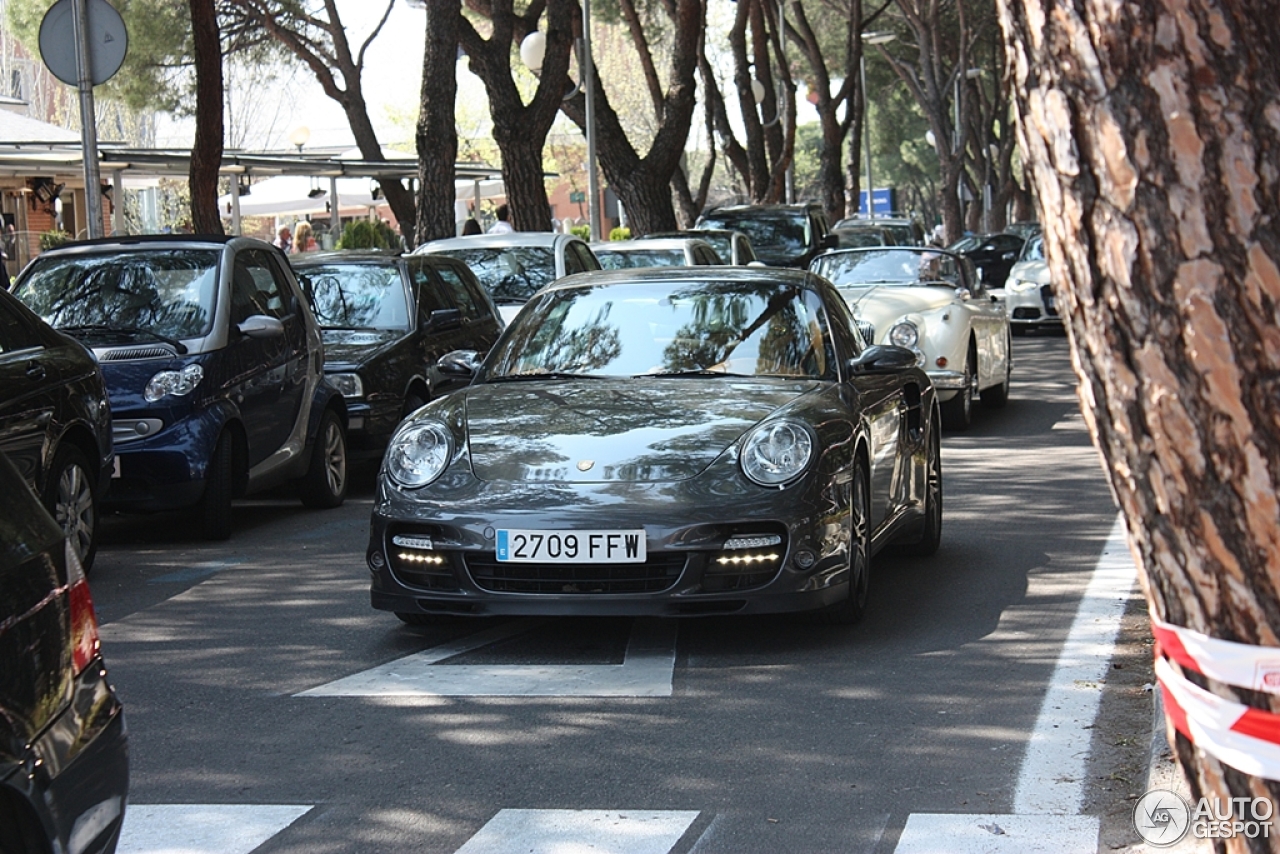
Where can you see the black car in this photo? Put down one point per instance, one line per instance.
(214, 366)
(64, 765)
(55, 421)
(665, 441)
(387, 319)
(993, 254)
(782, 235)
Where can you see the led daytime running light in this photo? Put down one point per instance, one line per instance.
(726, 560)
(423, 543)
(417, 557)
(759, 542)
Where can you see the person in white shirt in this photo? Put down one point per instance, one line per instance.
(503, 225)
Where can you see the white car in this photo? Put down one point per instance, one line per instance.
(928, 300)
(514, 266)
(1027, 293)
(655, 252)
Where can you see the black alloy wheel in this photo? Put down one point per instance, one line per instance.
(325, 483)
(853, 607)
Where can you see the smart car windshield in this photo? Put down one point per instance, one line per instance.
(356, 296)
(894, 267)
(669, 329)
(166, 293)
(510, 273)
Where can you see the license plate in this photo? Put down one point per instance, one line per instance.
(516, 546)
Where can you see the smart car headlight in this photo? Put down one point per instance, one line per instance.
(176, 383)
(777, 453)
(349, 385)
(905, 334)
(419, 453)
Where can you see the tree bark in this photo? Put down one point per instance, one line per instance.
(437, 132)
(206, 152)
(1153, 134)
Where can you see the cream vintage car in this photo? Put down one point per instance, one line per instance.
(928, 300)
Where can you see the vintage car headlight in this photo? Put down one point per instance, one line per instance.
(777, 452)
(904, 334)
(419, 453)
(349, 385)
(173, 382)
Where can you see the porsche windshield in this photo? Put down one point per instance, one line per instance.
(664, 329)
(510, 273)
(356, 296)
(900, 267)
(169, 293)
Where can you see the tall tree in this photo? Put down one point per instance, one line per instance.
(1152, 130)
(206, 152)
(437, 133)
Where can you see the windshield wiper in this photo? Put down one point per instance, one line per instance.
(126, 330)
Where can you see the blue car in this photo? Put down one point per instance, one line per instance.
(214, 367)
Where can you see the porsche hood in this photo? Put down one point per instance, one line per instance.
(597, 431)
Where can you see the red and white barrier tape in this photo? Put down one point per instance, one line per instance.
(1254, 667)
(1245, 738)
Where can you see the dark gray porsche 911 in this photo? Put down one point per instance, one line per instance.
(672, 442)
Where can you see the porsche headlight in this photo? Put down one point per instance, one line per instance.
(418, 453)
(904, 334)
(173, 382)
(348, 384)
(777, 452)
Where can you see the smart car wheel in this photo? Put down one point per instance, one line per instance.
(957, 413)
(851, 609)
(931, 533)
(325, 483)
(214, 509)
(69, 497)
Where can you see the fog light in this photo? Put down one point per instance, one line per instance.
(423, 543)
(752, 542)
(377, 561)
(805, 558)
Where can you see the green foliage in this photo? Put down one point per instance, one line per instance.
(620, 234)
(583, 231)
(52, 239)
(368, 234)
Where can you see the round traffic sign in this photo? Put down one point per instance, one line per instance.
(107, 36)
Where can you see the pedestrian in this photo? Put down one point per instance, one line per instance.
(284, 239)
(303, 241)
(471, 226)
(503, 225)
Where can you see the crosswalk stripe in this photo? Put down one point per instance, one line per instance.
(951, 833)
(646, 671)
(203, 828)
(518, 831)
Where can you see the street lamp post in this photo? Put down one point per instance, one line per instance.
(874, 38)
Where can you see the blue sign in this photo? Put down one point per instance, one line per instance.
(885, 199)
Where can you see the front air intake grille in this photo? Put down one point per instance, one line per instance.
(127, 354)
(658, 573)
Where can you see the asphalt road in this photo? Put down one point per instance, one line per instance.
(774, 734)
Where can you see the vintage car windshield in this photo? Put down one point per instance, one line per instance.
(681, 329)
(896, 267)
(169, 293)
(632, 258)
(510, 273)
(776, 237)
(356, 295)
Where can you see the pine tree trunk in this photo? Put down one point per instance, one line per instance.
(1153, 133)
(437, 134)
(206, 152)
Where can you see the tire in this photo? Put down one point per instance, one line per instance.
(324, 485)
(931, 532)
(853, 607)
(997, 396)
(214, 509)
(71, 497)
(957, 413)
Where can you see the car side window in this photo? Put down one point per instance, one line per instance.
(572, 260)
(15, 332)
(426, 288)
(254, 288)
(462, 295)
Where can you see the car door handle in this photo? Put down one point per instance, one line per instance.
(36, 371)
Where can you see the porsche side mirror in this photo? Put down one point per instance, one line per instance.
(459, 363)
(884, 358)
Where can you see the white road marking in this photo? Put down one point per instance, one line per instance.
(203, 828)
(1050, 792)
(646, 671)
(580, 832)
